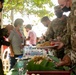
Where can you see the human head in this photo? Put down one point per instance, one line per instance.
(18, 22)
(1, 5)
(65, 5)
(9, 28)
(45, 21)
(58, 11)
(4, 32)
(28, 27)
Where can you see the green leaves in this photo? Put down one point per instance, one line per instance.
(45, 65)
(55, 59)
(36, 7)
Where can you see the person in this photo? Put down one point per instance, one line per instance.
(1, 66)
(70, 57)
(58, 29)
(4, 47)
(17, 41)
(47, 23)
(9, 28)
(31, 36)
(66, 4)
(1, 5)
(3, 35)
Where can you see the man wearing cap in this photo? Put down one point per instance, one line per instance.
(58, 31)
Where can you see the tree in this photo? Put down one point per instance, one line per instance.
(36, 7)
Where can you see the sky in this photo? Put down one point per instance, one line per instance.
(55, 2)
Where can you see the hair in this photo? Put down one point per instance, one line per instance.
(45, 18)
(57, 7)
(18, 22)
(28, 26)
(9, 27)
(2, 1)
(3, 32)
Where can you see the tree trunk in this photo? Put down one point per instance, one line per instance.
(1, 23)
(12, 17)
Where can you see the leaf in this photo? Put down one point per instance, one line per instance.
(51, 64)
(6, 1)
(55, 59)
(66, 68)
(35, 7)
(44, 62)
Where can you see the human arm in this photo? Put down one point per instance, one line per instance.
(66, 61)
(11, 50)
(64, 39)
(4, 42)
(10, 40)
(28, 38)
(31, 35)
(49, 33)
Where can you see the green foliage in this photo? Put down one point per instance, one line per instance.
(36, 7)
(13, 4)
(45, 65)
(55, 59)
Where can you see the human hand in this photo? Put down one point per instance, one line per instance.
(66, 61)
(22, 45)
(0, 56)
(59, 63)
(42, 38)
(58, 38)
(60, 44)
(12, 54)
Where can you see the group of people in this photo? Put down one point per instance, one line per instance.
(57, 30)
(70, 57)
(16, 39)
(62, 29)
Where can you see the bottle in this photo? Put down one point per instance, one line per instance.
(20, 65)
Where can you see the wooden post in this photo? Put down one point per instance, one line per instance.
(1, 20)
(12, 17)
